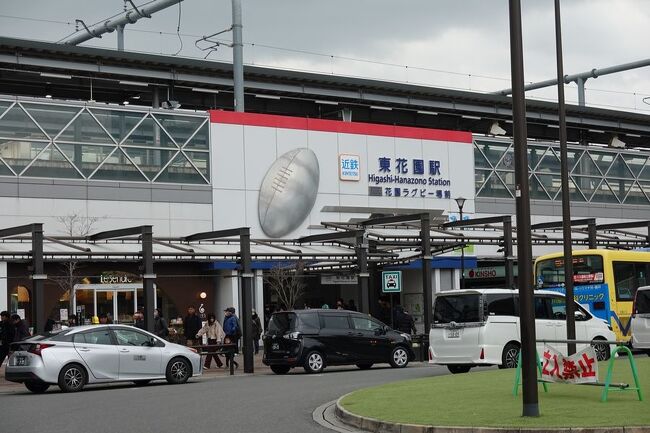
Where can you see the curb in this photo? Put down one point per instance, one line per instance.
(379, 426)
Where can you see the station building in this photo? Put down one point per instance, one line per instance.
(86, 147)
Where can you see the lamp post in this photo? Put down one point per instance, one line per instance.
(460, 201)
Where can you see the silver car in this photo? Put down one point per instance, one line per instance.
(91, 354)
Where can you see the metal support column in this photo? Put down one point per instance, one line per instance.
(38, 278)
(425, 236)
(581, 91)
(120, 37)
(592, 231)
(507, 253)
(522, 198)
(364, 276)
(246, 298)
(566, 198)
(148, 277)
(237, 55)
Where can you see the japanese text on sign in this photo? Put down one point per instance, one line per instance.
(579, 368)
(412, 176)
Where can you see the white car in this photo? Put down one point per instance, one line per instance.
(481, 327)
(640, 325)
(91, 354)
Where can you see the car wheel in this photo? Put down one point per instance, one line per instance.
(364, 366)
(314, 362)
(459, 368)
(280, 369)
(510, 356)
(37, 387)
(399, 358)
(72, 378)
(601, 349)
(178, 371)
(141, 382)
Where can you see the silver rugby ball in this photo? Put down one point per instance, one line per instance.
(288, 192)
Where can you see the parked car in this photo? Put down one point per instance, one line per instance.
(640, 325)
(315, 339)
(93, 354)
(481, 327)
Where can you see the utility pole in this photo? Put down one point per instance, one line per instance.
(237, 55)
(522, 198)
(564, 168)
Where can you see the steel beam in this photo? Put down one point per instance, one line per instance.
(477, 221)
(425, 235)
(148, 276)
(219, 234)
(328, 237)
(560, 224)
(364, 276)
(119, 233)
(246, 278)
(18, 230)
(38, 283)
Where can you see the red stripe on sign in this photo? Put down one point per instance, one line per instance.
(288, 122)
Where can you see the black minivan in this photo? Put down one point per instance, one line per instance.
(317, 338)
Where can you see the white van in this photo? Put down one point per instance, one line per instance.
(481, 327)
(641, 319)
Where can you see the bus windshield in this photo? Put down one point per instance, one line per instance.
(586, 270)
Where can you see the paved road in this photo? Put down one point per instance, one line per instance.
(264, 403)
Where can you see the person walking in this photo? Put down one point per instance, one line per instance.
(404, 321)
(192, 325)
(138, 317)
(213, 330)
(351, 305)
(7, 334)
(160, 324)
(257, 332)
(22, 331)
(232, 329)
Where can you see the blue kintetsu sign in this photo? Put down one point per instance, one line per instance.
(349, 167)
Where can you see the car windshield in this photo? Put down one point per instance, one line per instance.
(456, 308)
(586, 270)
(281, 323)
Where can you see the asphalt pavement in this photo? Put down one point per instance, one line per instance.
(263, 402)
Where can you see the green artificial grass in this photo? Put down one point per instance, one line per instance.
(484, 398)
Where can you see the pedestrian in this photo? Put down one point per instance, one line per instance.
(351, 305)
(257, 332)
(192, 325)
(232, 329)
(138, 317)
(404, 321)
(7, 334)
(340, 304)
(384, 314)
(103, 319)
(21, 329)
(49, 325)
(160, 327)
(72, 320)
(213, 330)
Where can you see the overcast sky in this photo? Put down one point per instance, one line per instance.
(468, 39)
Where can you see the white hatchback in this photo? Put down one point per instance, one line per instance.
(640, 325)
(481, 327)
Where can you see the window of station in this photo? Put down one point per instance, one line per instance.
(84, 142)
(596, 176)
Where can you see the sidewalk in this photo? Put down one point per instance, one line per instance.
(211, 373)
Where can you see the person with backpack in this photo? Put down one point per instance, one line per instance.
(232, 329)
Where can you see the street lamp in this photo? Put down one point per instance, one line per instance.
(460, 201)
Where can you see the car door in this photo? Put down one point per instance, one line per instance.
(137, 357)
(336, 338)
(98, 351)
(545, 325)
(369, 339)
(641, 320)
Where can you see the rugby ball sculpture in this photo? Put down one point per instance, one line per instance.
(288, 192)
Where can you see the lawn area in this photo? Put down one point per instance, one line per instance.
(484, 398)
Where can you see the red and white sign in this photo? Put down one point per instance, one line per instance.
(579, 368)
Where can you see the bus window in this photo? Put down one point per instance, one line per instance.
(629, 276)
(586, 270)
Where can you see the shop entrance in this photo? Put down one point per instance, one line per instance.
(117, 302)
